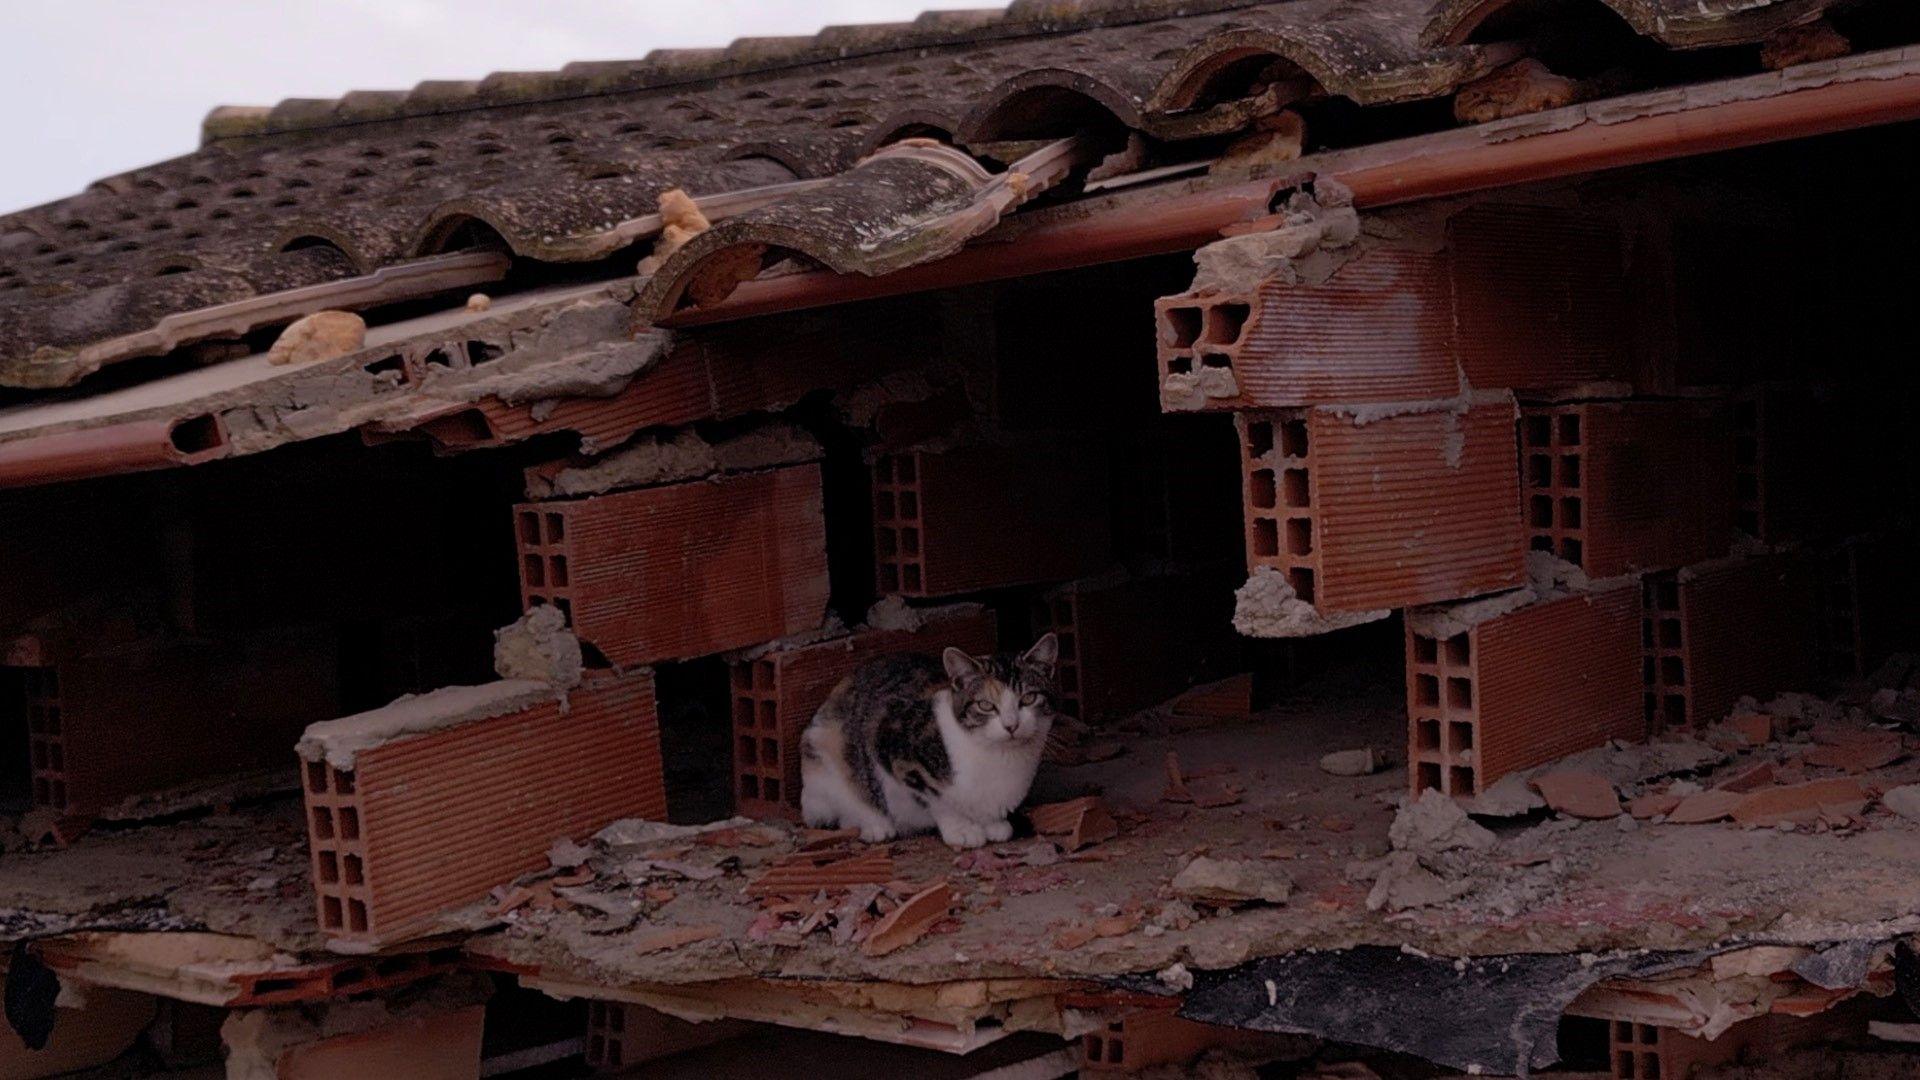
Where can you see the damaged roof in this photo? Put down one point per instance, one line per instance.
(551, 165)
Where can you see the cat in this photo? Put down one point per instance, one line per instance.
(907, 744)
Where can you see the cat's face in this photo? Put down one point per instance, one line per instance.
(1006, 700)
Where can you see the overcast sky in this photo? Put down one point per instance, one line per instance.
(95, 87)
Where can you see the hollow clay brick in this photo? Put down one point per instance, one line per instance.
(1714, 632)
(1616, 487)
(681, 570)
(1366, 513)
(429, 822)
(1152, 1037)
(1523, 688)
(1131, 644)
(958, 521)
(197, 710)
(776, 694)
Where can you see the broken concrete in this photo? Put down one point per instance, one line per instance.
(1267, 607)
(539, 648)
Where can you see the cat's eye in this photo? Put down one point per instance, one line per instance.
(980, 708)
(1031, 698)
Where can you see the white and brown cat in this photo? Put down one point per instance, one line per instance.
(911, 744)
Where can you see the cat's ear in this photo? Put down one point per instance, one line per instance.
(964, 670)
(1044, 654)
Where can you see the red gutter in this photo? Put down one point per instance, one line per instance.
(135, 446)
(1426, 167)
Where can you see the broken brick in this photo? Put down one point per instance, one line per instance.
(1749, 779)
(682, 570)
(1651, 806)
(1362, 513)
(1579, 794)
(1077, 823)
(806, 872)
(1230, 698)
(776, 694)
(1704, 806)
(1152, 1037)
(429, 820)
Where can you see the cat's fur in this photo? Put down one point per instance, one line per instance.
(908, 743)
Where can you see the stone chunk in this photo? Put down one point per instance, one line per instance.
(1232, 881)
(1362, 762)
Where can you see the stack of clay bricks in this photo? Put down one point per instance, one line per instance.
(1472, 423)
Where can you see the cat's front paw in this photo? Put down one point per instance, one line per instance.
(999, 832)
(878, 833)
(962, 835)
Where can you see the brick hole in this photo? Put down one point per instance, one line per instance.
(556, 528)
(615, 1055)
(1541, 543)
(764, 674)
(1746, 451)
(1746, 414)
(1650, 708)
(1293, 438)
(1069, 680)
(1459, 650)
(316, 776)
(322, 823)
(1673, 671)
(1426, 735)
(1266, 538)
(1180, 365)
(770, 715)
(1224, 323)
(1213, 358)
(883, 470)
(329, 865)
(1263, 489)
(743, 676)
(530, 528)
(771, 788)
(886, 542)
(387, 365)
(1670, 633)
(343, 782)
(1572, 551)
(1460, 780)
(1538, 431)
(558, 568)
(1747, 521)
(1299, 536)
(889, 578)
(349, 823)
(39, 756)
(534, 570)
(1540, 511)
(1459, 737)
(1259, 438)
(1426, 650)
(483, 352)
(749, 786)
(907, 469)
(1426, 690)
(909, 505)
(330, 913)
(743, 712)
(1301, 578)
(1293, 488)
(1625, 1069)
(1569, 424)
(56, 758)
(566, 609)
(1746, 485)
(749, 750)
(1459, 693)
(353, 870)
(910, 577)
(1539, 471)
(910, 542)
(1570, 470)
(42, 791)
(439, 358)
(1674, 709)
(1427, 776)
(596, 1049)
(1180, 326)
(357, 916)
(770, 751)
(1667, 591)
(1570, 512)
(883, 506)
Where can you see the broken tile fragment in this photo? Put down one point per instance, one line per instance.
(1750, 779)
(910, 921)
(1753, 728)
(1800, 803)
(1579, 794)
(672, 937)
(806, 872)
(1651, 806)
(1076, 823)
(1704, 807)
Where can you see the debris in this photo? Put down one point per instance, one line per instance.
(804, 873)
(1800, 803)
(479, 302)
(1651, 806)
(1904, 801)
(1404, 883)
(1362, 762)
(1074, 937)
(910, 921)
(1758, 776)
(1274, 140)
(1214, 793)
(539, 647)
(1175, 977)
(673, 937)
(1510, 796)
(1753, 728)
(323, 335)
(1804, 44)
(1176, 789)
(1232, 881)
(1433, 824)
(1079, 823)
(1857, 753)
(1267, 607)
(1579, 794)
(1227, 699)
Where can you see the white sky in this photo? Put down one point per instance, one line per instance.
(95, 87)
